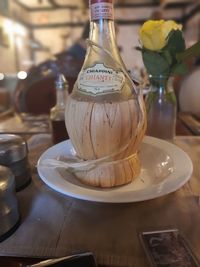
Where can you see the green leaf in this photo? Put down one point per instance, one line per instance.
(180, 68)
(193, 51)
(155, 63)
(168, 57)
(171, 98)
(175, 43)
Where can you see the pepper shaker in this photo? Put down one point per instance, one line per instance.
(9, 215)
(14, 155)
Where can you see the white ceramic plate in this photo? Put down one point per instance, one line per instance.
(165, 168)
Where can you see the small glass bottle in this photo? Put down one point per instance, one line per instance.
(161, 108)
(57, 113)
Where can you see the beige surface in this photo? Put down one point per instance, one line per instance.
(4, 99)
(55, 225)
(189, 92)
(15, 125)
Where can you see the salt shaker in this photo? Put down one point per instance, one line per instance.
(9, 214)
(14, 154)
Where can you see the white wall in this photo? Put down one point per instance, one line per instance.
(127, 36)
(127, 39)
(57, 16)
(7, 62)
(192, 30)
(17, 50)
(52, 37)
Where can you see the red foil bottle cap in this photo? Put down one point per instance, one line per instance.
(100, 1)
(101, 9)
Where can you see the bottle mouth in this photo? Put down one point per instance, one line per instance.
(60, 82)
(101, 9)
(100, 1)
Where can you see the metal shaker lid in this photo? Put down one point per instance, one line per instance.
(12, 148)
(61, 83)
(6, 179)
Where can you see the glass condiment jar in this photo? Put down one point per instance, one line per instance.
(57, 113)
(9, 214)
(14, 154)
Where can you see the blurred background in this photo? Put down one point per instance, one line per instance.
(35, 34)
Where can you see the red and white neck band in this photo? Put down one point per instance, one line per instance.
(101, 9)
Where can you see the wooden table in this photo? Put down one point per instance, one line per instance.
(54, 225)
(13, 123)
(17, 124)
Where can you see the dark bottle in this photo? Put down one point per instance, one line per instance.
(57, 113)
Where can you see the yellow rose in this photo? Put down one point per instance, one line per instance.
(154, 33)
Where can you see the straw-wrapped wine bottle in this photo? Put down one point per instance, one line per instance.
(105, 115)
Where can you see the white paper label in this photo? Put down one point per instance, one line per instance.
(99, 80)
(102, 11)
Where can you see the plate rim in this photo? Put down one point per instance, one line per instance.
(106, 196)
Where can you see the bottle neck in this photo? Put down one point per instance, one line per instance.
(60, 97)
(161, 84)
(158, 82)
(102, 32)
(103, 74)
(102, 28)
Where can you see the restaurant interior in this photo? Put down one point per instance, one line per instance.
(39, 56)
(34, 33)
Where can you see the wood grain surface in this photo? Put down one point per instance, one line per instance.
(54, 225)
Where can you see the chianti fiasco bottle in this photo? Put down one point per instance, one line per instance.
(104, 115)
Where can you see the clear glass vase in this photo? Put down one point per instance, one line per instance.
(161, 108)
